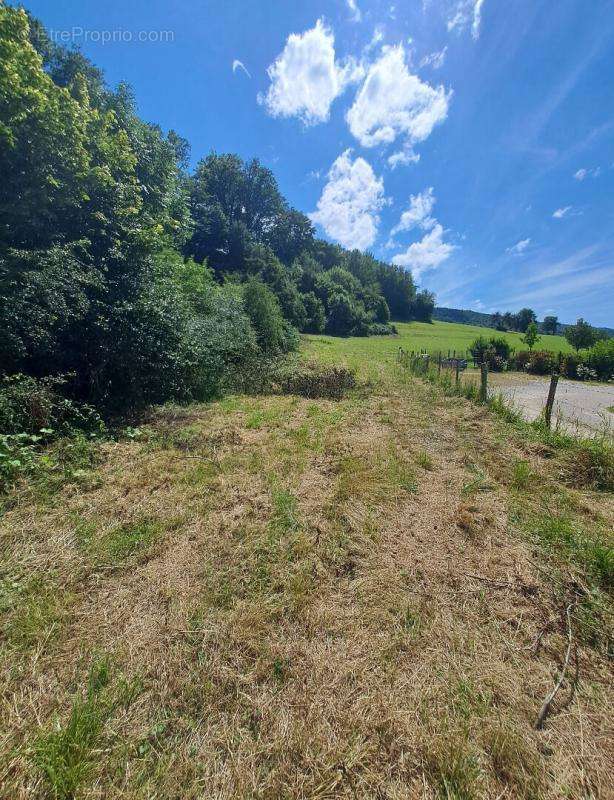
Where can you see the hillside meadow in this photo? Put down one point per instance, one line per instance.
(432, 337)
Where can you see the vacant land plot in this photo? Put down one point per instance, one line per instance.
(585, 407)
(275, 597)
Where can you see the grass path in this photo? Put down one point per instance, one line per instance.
(275, 597)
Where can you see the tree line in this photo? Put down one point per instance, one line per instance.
(135, 278)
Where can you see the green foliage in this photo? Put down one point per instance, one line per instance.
(524, 318)
(538, 362)
(67, 754)
(496, 352)
(531, 335)
(272, 332)
(581, 335)
(550, 325)
(600, 358)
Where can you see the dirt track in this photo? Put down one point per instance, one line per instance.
(577, 405)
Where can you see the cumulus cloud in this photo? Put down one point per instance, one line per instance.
(236, 64)
(392, 102)
(306, 78)
(418, 214)
(426, 254)
(561, 212)
(349, 206)
(435, 60)
(467, 13)
(519, 247)
(583, 173)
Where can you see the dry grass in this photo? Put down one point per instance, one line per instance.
(299, 599)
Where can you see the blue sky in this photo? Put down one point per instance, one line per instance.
(471, 141)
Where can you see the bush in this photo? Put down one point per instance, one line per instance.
(31, 406)
(273, 333)
(495, 351)
(378, 329)
(537, 362)
(600, 359)
(315, 380)
(569, 365)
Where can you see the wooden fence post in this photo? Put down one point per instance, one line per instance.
(550, 401)
(439, 364)
(483, 382)
(457, 372)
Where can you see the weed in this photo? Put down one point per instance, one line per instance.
(561, 534)
(65, 755)
(31, 609)
(424, 460)
(522, 475)
(125, 540)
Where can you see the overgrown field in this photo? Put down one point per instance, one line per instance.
(276, 597)
(432, 337)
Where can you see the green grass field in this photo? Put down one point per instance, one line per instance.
(433, 337)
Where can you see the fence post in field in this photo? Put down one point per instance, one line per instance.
(550, 401)
(483, 382)
(457, 365)
(439, 364)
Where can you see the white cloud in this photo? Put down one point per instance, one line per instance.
(583, 173)
(435, 60)
(561, 212)
(403, 157)
(306, 78)
(467, 13)
(236, 64)
(392, 102)
(418, 214)
(519, 247)
(378, 36)
(352, 5)
(426, 254)
(349, 205)
(477, 18)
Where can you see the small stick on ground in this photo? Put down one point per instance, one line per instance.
(545, 709)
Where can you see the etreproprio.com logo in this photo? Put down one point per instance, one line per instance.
(79, 35)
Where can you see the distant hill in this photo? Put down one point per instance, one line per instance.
(465, 316)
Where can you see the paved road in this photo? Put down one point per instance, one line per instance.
(579, 406)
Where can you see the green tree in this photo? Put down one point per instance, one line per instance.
(581, 335)
(550, 325)
(531, 335)
(524, 318)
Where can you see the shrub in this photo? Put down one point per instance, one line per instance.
(30, 405)
(273, 333)
(315, 380)
(495, 351)
(600, 359)
(537, 362)
(569, 365)
(346, 316)
(378, 329)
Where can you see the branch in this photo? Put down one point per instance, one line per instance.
(545, 709)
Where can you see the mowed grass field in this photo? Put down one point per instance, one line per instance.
(272, 597)
(433, 337)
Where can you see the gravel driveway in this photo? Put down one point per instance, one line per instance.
(579, 406)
